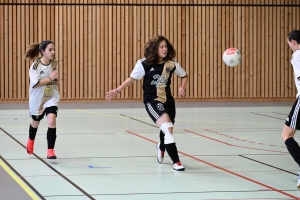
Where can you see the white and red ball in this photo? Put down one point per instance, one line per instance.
(232, 57)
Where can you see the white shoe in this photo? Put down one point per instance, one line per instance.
(298, 184)
(160, 154)
(178, 167)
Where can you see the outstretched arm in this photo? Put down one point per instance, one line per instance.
(113, 93)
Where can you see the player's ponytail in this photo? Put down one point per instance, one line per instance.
(32, 51)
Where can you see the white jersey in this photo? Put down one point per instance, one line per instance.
(295, 60)
(46, 95)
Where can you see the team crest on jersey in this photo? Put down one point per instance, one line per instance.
(160, 107)
(168, 69)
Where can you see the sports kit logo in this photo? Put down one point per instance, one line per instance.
(159, 80)
(160, 107)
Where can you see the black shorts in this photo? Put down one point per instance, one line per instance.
(293, 120)
(52, 109)
(155, 109)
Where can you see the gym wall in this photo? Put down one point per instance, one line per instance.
(98, 43)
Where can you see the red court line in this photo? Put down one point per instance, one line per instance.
(238, 138)
(223, 169)
(233, 144)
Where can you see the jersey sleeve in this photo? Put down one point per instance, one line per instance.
(138, 71)
(34, 75)
(296, 64)
(179, 71)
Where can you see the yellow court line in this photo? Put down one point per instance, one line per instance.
(93, 113)
(19, 181)
(78, 110)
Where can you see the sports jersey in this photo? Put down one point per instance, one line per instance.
(157, 78)
(295, 60)
(46, 95)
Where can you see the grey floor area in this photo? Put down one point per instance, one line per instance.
(231, 150)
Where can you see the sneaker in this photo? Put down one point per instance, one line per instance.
(178, 167)
(298, 184)
(29, 147)
(51, 154)
(160, 154)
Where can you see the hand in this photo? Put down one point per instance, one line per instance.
(181, 91)
(54, 75)
(111, 94)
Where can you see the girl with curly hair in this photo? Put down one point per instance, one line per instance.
(157, 68)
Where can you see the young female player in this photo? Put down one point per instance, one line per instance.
(43, 93)
(157, 68)
(292, 123)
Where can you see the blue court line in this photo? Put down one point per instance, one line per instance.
(90, 166)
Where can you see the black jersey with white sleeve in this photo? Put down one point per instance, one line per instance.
(157, 78)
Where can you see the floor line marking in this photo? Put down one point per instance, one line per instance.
(223, 169)
(25, 185)
(48, 165)
(268, 165)
(233, 144)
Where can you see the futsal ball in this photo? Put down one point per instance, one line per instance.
(232, 57)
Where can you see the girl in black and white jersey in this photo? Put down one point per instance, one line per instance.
(292, 123)
(43, 93)
(157, 68)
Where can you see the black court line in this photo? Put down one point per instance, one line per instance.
(60, 174)
(280, 113)
(23, 179)
(76, 133)
(128, 157)
(138, 120)
(202, 192)
(146, 4)
(267, 116)
(269, 165)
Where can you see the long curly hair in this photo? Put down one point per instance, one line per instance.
(151, 50)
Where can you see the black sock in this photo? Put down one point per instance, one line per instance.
(32, 132)
(172, 151)
(162, 141)
(51, 137)
(294, 149)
